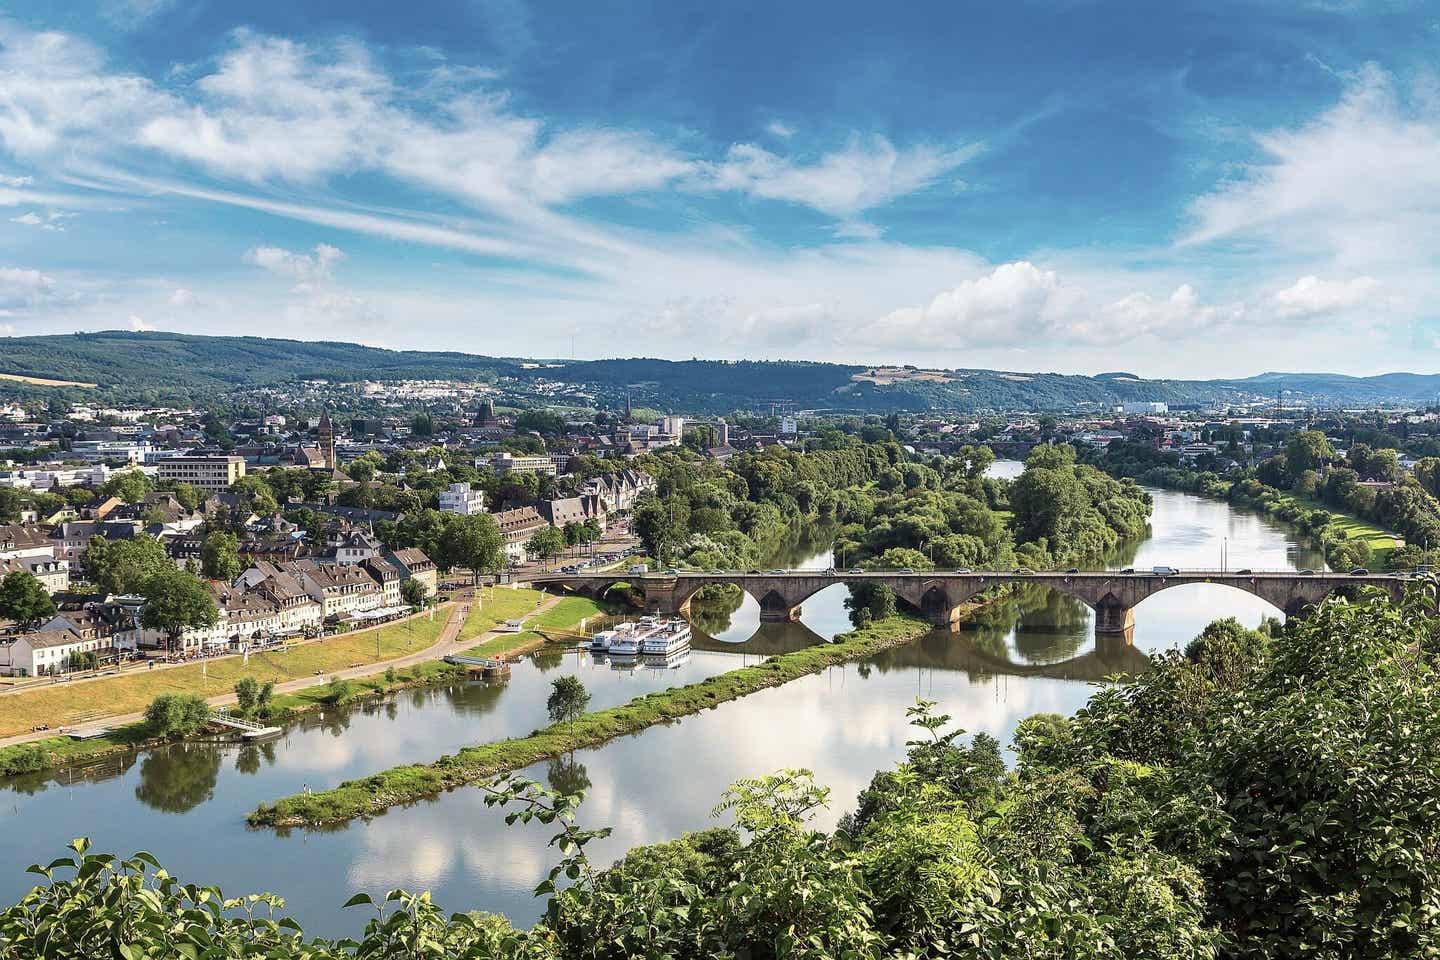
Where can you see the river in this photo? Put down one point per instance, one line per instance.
(186, 803)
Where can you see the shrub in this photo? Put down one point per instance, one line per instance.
(176, 715)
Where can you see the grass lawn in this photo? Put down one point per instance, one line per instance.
(495, 607)
(1381, 541)
(73, 703)
(565, 615)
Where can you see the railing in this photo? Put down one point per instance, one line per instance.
(225, 718)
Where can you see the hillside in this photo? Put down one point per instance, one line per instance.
(169, 366)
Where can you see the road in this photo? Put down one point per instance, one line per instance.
(444, 646)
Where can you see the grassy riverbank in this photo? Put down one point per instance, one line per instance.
(81, 701)
(60, 751)
(406, 784)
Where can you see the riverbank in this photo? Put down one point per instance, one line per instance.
(315, 692)
(407, 784)
(1303, 513)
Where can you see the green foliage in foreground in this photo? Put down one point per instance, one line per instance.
(1248, 798)
(411, 782)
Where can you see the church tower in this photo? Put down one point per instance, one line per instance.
(327, 442)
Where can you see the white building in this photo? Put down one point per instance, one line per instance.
(463, 499)
(505, 462)
(94, 451)
(789, 426)
(1144, 407)
(673, 426)
(46, 651)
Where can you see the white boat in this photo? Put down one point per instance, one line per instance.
(669, 637)
(601, 640)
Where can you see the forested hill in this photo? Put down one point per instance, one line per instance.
(154, 366)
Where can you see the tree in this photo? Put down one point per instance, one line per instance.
(247, 694)
(220, 556)
(11, 501)
(568, 699)
(123, 566)
(547, 542)
(1308, 450)
(473, 542)
(132, 486)
(23, 598)
(175, 715)
(176, 601)
(414, 592)
(662, 525)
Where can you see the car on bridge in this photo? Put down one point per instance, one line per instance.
(1163, 571)
(1359, 572)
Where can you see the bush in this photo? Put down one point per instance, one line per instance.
(23, 758)
(247, 695)
(176, 715)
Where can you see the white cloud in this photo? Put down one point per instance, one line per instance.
(132, 14)
(317, 301)
(182, 298)
(22, 288)
(303, 268)
(866, 173)
(138, 324)
(8, 330)
(52, 220)
(1021, 306)
(10, 181)
(780, 129)
(1310, 296)
(1360, 183)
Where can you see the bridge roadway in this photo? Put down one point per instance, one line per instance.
(941, 595)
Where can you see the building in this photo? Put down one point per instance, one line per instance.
(54, 575)
(327, 442)
(389, 576)
(517, 526)
(48, 651)
(463, 499)
(789, 426)
(415, 565)
(1144, 407)
(96, 451)
(357, 546)
(673, 426)
(211, 474)
(505, 462)
(722, 433)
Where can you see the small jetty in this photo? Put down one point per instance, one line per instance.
(483, 668)
(248, 729)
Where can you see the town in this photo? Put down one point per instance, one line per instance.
(297, 524)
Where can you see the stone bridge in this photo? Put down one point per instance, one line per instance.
(941, 595)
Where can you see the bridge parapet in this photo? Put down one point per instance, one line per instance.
(940, 595)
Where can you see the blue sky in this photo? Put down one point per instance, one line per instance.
(1219, 189)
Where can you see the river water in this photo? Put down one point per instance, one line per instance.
(1032, 653)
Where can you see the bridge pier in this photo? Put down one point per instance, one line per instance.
(1114, 618)
(778, 611)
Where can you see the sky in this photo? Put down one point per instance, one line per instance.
(1183, 189)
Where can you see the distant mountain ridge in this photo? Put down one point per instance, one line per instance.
(152, 366)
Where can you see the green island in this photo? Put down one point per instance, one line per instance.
(411, 782)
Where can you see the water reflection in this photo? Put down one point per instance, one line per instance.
(179, 777)
(1032, 651)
